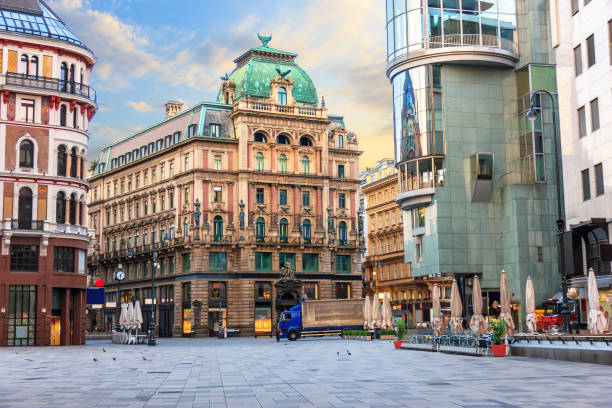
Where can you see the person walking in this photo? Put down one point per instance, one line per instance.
(278, 332)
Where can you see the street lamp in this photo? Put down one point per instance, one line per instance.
(532, 115)
(221, 267)
(154, 265)
(119, 275)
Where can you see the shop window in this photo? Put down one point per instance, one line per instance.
(263, 291)
(217, 293)
(24, 258)
(310, 290)
(263, 319)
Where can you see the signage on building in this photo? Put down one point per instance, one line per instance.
(95, 296)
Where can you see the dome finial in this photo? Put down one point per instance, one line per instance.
(264, 40)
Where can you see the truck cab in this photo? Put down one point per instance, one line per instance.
(290, 323)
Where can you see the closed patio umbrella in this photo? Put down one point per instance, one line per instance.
(477, 324)
(506, 314)
(367, 307)
(375, 322)
(597, 320)
(456, 320)
(435, 320)
(123, 315)
(130, 318)
(138, 315)
(387, 313)
(531, 320)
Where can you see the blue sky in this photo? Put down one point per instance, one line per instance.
(151, 51)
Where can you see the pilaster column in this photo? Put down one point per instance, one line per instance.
(296, 160)
(230, 203)
(319, 206)
(67, 212)
(272, 158)
(68, 163)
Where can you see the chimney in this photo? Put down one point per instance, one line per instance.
(173, 108)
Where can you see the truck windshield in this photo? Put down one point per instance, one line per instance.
(286, 316)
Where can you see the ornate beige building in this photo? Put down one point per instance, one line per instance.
(262, 178)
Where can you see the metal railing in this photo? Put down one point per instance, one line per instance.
(472, 40)
(51, 84)
(27, 224)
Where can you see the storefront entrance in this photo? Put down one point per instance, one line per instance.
(56, 330)
(22, 315)
(166, 320)
(213, 322)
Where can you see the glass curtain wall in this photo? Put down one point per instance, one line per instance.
(449, 23)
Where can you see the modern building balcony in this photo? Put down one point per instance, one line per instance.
(419, 33)
(61, 87)
(418, 180)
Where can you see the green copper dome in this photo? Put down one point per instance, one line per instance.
(258, 66)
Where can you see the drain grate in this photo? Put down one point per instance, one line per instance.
(169, 393)
(158, 372)
(34, 378)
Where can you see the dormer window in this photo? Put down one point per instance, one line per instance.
(282, 96)
(340, 142)
(215, 130)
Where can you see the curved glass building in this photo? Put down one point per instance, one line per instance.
(476, 180)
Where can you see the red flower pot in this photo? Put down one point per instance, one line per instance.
(498, 350)
(398, 344)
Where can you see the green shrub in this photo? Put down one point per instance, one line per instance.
(498, 330)
(386, 332)
(400, 329)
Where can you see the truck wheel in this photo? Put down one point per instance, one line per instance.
(293, 335)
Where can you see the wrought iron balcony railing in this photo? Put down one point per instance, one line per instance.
(27, 224)
(51, 84)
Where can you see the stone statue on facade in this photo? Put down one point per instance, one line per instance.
(241, 205)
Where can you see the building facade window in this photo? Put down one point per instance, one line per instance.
(341, 171)
(342, 233)
(599, 180)
(284, 230)
(305, 198)
(282, 200)
(581, 122)
(578, 60)
(263, 261)
(586, 185)
(24, 258)
(260, 230)
(217, 194)
(24, 209)
(340, 142)
(343, 264)
(590, 43)
(343, 290)
(311, 290)
(63, 259)
(310, 262)
(286, 259)
(306, 233)
(282, 163)
(27, 110)
(215, 130)
(306, 165)
(282, 96)
(594, 114)
(61, 160)
(26, 154)
(341, 200)
(259, 158)
(259, 195)
(217, 261)
(217, 228)
(218, 162)
(63, 113)
(186, 263)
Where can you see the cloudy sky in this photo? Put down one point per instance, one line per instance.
(151, 51)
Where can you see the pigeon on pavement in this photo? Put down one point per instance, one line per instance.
(348, 352)
(95, 359)
(103, 349)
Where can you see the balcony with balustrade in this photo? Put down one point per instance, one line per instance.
(44, 85)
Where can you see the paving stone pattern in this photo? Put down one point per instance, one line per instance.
(248, 372)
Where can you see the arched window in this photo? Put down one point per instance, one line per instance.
(73, 162)
(260, 137)
(340, 142)
(306, 165)
(342, 233)
(282, 96)
(306, 231)
(282, 163)
(34, 66)
(305, 141)
(217, 228)
(61, 160)
(259, 158)
(72, 78)
(73, 209)
(25, 209)
(26, 154)
(63, 76)
(63, 113)
(260, 229)
(284, 230)
(60, 208)
(75, 117)
(24, 67)
(283, 139)
(227, 97)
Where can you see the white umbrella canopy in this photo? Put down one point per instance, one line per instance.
(597, 320)
(123, 315)
(375, 321)
(138, 315)
(435, 321)
(477, 324)
(530, 317)
(456, 320)
(367, 307)
(387, 313)
(504, 294)
(130, 318)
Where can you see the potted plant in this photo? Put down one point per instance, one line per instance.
(400, 331)
(498, 329)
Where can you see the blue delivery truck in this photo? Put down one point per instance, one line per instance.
(321, 317)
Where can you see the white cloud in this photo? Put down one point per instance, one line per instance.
(140, 106)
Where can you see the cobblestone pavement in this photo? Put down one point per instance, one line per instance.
(246, 372)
